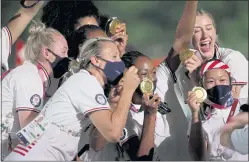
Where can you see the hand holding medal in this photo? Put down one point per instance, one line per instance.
(186, 54)
(147, 88)
(117, 31)
(195, 98)
(200, 94)
(191, 59)
(111, 26)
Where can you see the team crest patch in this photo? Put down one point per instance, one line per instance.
(124, 134)
(101, 99)
(35, 100)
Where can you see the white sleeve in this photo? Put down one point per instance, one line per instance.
(239, 69)
(129, 131)
(6, 41)
(164, 76)
(239, 139)
(87, 95)
(28, 91)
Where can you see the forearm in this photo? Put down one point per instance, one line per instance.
(148, 134)
(97, 141)
(26, 117)
(186, 24)
(21, 19)
(225, 138)
(197, 144)
(184, 33)
(119, 116)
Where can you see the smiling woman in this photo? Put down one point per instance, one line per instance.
(205, 38)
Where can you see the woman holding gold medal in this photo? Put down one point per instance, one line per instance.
(146, 125)
(219, 108)
(178, 74)
(183, 62)
(80, 101)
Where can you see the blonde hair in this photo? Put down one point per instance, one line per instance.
(91, 47)
(39, 36)
(201, 12)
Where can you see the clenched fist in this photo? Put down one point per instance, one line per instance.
(120, 37)
(150, 104)
(131, 79)
(193, 63)
(193, 102)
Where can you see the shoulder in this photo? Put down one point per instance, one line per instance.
(163, 69)
(227, 53)
(82, 81)
(6, 34)
(83, 77)
(27, 73)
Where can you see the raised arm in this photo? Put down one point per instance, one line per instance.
(21, 19)
(148, 133)
(96, 140)
(234, 136)
(140, 148)
(110, 124)
(197, 142)
(184, 33)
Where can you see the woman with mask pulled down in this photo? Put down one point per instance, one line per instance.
(217, 110)
(24, 88)
(146, 126)
(79, 102)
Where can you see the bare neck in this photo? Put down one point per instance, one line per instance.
(98, 76)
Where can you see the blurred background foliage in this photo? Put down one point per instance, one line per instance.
(151, 24)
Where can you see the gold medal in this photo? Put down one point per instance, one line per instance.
(111, 25)
(186, 54)
(200, 93)
(147, 86)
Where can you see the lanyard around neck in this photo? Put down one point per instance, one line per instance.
(232, 111)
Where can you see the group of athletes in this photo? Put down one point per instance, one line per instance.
(82, 94)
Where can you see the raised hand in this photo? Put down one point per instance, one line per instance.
(192, 63)
(150, 104)
(120, 37)
(193, 102)
(131, 79)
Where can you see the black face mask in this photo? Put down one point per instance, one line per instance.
(221, 95)
(59, 65)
